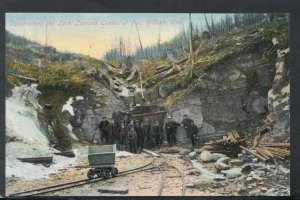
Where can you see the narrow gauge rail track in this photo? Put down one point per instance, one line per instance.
(168, 174)
(73, 184)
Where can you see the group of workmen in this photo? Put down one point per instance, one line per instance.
(134, 135)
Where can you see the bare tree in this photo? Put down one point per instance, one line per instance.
(141, 46)
(191, 46)
(210, 33)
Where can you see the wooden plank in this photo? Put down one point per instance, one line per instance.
(236, 135)
(148, 114)
(267, 151)
(253, 153)
(262, 153)
(276, 144)
(278, 150)
(47, 159)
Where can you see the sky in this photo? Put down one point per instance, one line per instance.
(94, 34)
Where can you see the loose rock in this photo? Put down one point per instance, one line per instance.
(216, 156)
(221, 166)
(232, 173)
(246, 169)
(193, 155)
(206, 156)
(224, 160)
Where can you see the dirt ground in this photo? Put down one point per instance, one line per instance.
(143, 183)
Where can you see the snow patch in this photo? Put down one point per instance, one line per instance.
(285, 90)
(68, 106)
(123, 154)
(29, 171)
(79, 98)
(21, 121)
(125, 92)
(70, 128)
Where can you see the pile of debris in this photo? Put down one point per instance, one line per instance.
(228, 145)
(270, 151)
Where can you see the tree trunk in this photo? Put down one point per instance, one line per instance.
(191, 46)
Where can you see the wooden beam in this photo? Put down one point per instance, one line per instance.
(24, 77)
(47, 159)
(148, 114)
(255, 154)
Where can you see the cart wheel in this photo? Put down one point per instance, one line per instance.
(114, 172)
(91, 173)
(106, 173)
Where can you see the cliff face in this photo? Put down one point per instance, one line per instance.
(279, 99)
(232, 97)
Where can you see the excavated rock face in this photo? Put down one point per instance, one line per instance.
(234, 95)
(279, 100)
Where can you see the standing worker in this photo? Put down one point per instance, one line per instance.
(122, 136)
(194, 132)
(187, 124)
(132, 140)
(157, 130)
(171, 128)
(111, 134)
(141, 135)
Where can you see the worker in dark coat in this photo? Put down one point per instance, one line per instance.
(111, 134)
(157, 131)
(103, 129)
(187, 124)
(132, 137)
(122, 136)
(194, 132)
(170, 129)
(141, 135)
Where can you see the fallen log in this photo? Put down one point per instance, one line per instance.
(111, 67)
(24, 77)
(48, 159)
(253, 153)
(69, 154)
(164, 69)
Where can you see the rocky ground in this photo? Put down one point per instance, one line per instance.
(205, 174)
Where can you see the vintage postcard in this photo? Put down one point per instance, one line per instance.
(147, 104)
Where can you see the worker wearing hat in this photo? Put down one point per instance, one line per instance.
(170, 129)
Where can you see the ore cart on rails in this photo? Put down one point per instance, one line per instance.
(102, 161)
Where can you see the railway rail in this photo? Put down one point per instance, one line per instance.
(73, 184)
(168, 174)
(167, 170)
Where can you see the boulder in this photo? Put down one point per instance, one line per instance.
(219, 177)
(184, 152)
(190, 185)
(235, 163)
(246, 169)
(206, 156)
(192, 155)
(244, 157)
(221, 166)
(232, 173)
(217, 156)
(224, 160)
(284, 170)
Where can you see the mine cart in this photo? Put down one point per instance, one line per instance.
(102, 161)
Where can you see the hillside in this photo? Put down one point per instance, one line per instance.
(228, 91)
